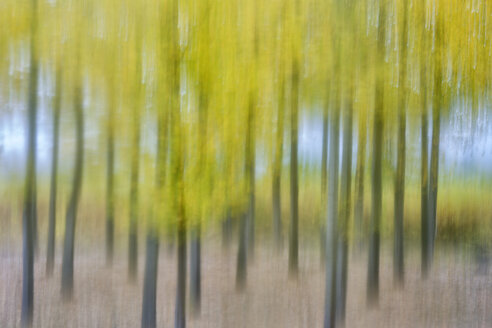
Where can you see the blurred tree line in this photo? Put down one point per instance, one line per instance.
(221, 80)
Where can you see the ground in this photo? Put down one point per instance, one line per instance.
(455, 295)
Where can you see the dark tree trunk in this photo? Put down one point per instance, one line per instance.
(50, 254)
(110, 186)
(245, 226)
(135, 161)
(294, 179)
(180, 315)
(277, 167)
(134, 173)
(332, 215)
(195, 251)
(359, 184)
(436, 134)
(251, 168)
(344, 218)
(375, 224)
(324, 160)
(29, 209)
(424, 157)
(398, 252)
(68, 246)
(152, 247)
(241, 268)
(424, 187)
(150, 281)
(195, 270)
(34, 218)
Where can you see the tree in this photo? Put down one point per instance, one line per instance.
(29, 204)
(50, 254)
(398, 254)
(378, 128)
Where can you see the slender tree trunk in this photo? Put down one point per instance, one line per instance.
(195, 270)
(29, 209)
(398, 253)
(251, 144)
(195, 256)
(135, 160)
(150, 281)
(180, 319)
(424, 156)
(68, 246)
(134, 173)
(324, 160)
(375, 224)
(277, 167)
(345, 206)
(359, 183)
(436, 134)
(50, 254)
(433, 179)
(245, 221)
(110, 186)
(332, 215)
(152, 247)
(294, 179)
(177, 169)
(34, 217)
(241, 268)
(424, 187)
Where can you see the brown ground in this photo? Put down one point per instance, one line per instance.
(454, 296)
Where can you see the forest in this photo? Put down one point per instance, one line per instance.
(282, 163)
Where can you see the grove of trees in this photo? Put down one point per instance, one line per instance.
(224, 87)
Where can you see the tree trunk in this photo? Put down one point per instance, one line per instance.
(375, 224)
(398, 253)
(110, 186)
(135, 160)
(359, 183)
(195, 270)
(332, 216)
(245, 226)
(424, 188)
(29, 209)
(241, 268)
(436, 134)
(50, 254)
(251, 168)
(344, 218)
(180, 315)
(134, 173)
(68, 246)
(277, 168)
(150, 281)
(294, 179)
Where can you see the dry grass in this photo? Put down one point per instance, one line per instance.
(454, 296)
